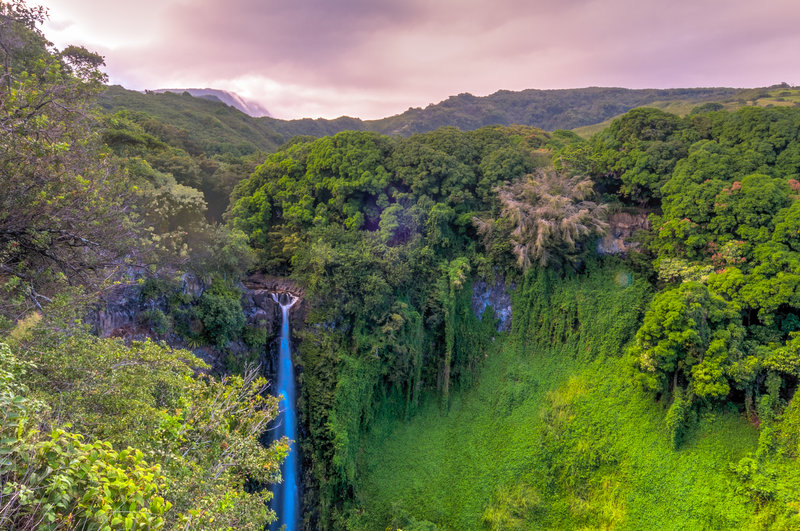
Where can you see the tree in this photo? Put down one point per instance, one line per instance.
(638, 152)
(551, 217)
(689, 335)
(746, 207)
(65, 215)
(455, 275)
(132, 430)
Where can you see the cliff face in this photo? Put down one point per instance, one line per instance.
(122, 313)
(621, 228)
(258, 292)
(496, 295)
(117, 312)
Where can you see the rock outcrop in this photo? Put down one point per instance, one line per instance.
(260, 308)
(117, 311)
(121, 312)
(621, 227)
(496, 295)
(263, 312)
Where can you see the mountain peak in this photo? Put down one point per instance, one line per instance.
(231, 99)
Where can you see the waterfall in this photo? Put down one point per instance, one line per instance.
(286, 500)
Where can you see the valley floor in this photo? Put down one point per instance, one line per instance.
(550, 439)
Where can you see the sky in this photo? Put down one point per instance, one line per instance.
(376, 58)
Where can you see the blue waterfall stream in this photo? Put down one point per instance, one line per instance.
(286, 500)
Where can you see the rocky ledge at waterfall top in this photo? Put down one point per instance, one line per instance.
(259, 288)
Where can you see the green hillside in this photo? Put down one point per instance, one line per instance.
(553, 437)
(776, 96)
(214, 125)
(204, 134)
(496, 327)
(545, 109)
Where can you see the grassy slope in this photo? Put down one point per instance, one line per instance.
(586, 447)
(217, 127)
(211, 124)
(767, 97)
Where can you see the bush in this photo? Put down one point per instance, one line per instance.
(678, 417)
(255, 337)
(156, 321)
(51, 480)
(221, 311)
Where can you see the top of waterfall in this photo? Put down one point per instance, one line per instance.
(285, 300)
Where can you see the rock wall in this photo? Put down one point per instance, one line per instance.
(117, 311)
(119, 314)
(258, 293)
(621, 227)
(496, 295)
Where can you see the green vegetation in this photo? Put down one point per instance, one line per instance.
(547, 109)
(776, 96)
(96, 433)
(652, 390)
(217, 128)
(59, 208)
(386, 234)
(180, 163)
(210, 127)
(553, 436)
(381, 234)
(550, 217)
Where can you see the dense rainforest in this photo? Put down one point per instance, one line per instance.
(390, 237)
(504, 327)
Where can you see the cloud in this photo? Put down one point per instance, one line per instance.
(372, 58)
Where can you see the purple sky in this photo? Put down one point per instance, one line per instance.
(374, 58)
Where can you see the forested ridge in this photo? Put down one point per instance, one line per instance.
(545, 109)
(473, 354)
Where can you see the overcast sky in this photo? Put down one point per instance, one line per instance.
(375, 58)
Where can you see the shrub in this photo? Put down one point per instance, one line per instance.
(221, 311)
(55, 480)
(156, 321)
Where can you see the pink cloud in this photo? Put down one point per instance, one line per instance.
(372, 58)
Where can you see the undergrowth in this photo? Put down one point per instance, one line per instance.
(555, 435)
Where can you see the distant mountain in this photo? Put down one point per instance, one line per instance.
(217, 127)
(232, 99)
(545, 109)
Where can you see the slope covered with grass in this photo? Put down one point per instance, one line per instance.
(554, 435)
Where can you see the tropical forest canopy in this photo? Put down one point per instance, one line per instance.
(388, 235)
(472, 353)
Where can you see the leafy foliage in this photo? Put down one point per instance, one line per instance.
(387, 234)
(55, 480)
(722, 245)
(551, 219)
(192, 442)
(65, 212)
(379, 232)
(691, 334)
(221, 313)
